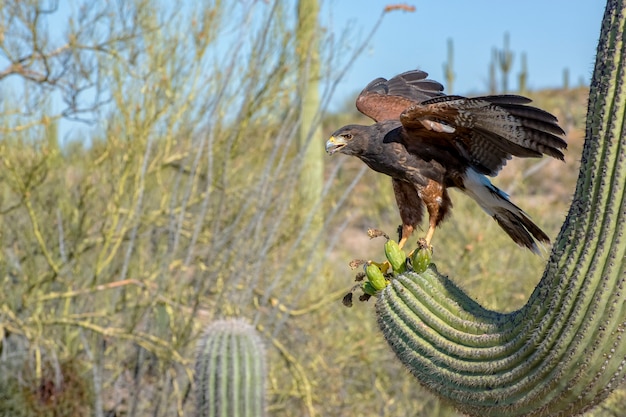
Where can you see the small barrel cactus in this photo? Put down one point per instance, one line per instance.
(230, 371)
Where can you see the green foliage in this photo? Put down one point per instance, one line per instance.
(230, 370)
(175, 206)
(119, 250)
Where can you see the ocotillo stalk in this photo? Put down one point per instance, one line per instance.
(565, 350)
(230, 371)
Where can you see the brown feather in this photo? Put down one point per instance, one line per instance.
(521, 229)
(382, 107)
(409, 204)
(385, 99)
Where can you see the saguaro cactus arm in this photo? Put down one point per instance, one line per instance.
(565, 350)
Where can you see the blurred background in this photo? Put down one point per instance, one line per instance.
(162, 167)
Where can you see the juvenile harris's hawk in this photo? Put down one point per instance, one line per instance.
(427, 141)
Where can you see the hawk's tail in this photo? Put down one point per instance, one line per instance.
(511, 218)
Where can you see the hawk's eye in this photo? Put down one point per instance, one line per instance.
(348, 136)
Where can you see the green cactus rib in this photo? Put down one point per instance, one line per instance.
(230, 371)
(565, 350)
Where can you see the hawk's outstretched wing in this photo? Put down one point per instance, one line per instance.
(384, 99)
(487, 131)
(428, 142)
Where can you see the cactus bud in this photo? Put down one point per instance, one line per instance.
(369, 289)
(375, 277)
(421, 257)
(395, 256)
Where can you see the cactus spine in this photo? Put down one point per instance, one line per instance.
(230, 371)
(565, 350)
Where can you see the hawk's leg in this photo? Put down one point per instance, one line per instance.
(438, 204)
(405, 232)
(432, 224)
(410, 206)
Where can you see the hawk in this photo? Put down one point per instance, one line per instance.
(427, 142)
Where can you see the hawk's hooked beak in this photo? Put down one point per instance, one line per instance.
(334, 144)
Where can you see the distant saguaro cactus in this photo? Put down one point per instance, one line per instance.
(493, 84)
(230, 371)
(448, 67)
(565, 79)
(309, 138)
(505, 59)
(523, 75)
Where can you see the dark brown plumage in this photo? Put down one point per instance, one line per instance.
(427, 142)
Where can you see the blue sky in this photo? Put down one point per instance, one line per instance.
(555, 34)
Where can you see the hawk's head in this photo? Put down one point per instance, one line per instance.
(349, 140)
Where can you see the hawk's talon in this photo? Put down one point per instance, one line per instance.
(422, 243)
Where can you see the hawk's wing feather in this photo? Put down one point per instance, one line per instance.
(382, 107)
(414, 85)
(529, 116)
(508, 99)
(384, 99)
(487, 131)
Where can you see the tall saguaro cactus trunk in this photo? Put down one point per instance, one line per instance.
(230, 371)
(310, 141)
(565, 350)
